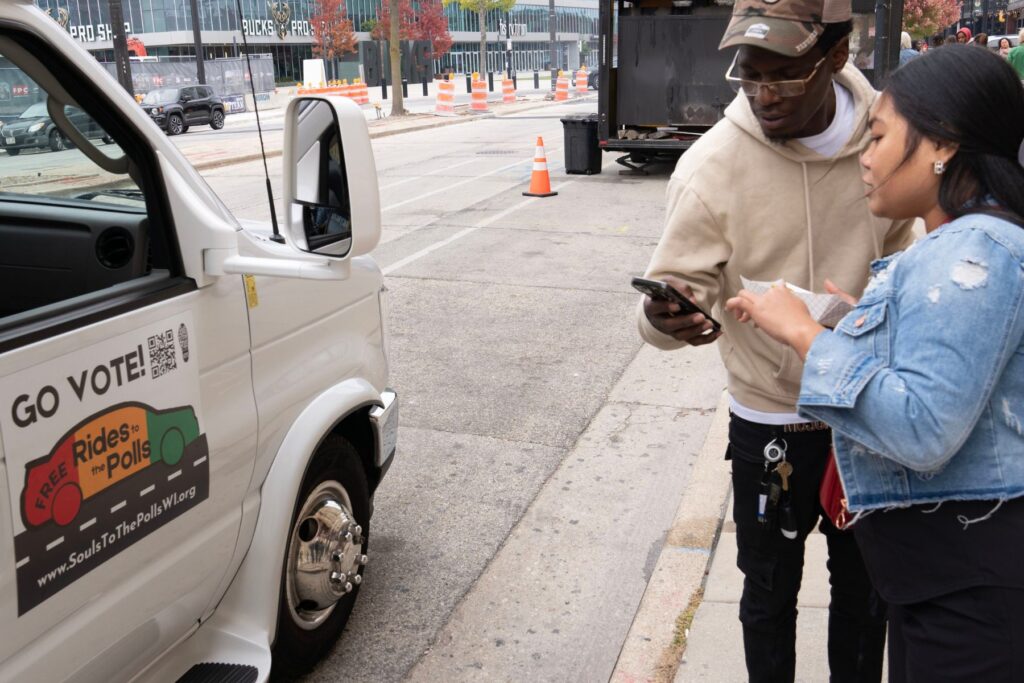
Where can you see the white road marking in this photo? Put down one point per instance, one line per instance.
(199, 462)
(466, 231)
(87, 524)
(420, 177)
(53, 544)
(21, 563)
(173, 475)
(148, 489)
(452, 186)
(119, 506)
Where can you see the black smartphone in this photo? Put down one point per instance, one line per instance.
(662, 291)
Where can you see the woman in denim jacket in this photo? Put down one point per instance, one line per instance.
(923, 382)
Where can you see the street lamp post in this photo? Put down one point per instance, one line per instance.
(508, 45)
(551, 38)
(122, 64)
(197, 38)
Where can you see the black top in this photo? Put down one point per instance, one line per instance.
(913, 556)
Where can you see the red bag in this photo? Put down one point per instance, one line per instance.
(831, 494)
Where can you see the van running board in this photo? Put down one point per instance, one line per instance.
(216, 672)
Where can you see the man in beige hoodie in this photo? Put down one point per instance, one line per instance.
(774, 191)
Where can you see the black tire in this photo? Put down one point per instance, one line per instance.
(184, 129)
(175, 124)
(297, 649)
(13, 152)
(58, 143)
(107, 139)
(217, 119)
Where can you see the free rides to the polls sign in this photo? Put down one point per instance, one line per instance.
(103, 447)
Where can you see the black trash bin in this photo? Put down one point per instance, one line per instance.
(582, 153)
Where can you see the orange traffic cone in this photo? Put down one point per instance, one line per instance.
(540, 182)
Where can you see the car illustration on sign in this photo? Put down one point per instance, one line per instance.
(99, 452)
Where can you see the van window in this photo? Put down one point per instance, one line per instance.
(69, 228)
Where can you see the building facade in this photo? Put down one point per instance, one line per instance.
(282, 29)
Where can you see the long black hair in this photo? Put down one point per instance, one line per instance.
(973, 98)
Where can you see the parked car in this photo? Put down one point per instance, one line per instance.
(34, 129)
(177, 109)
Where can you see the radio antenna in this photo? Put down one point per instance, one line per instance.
(276, 237)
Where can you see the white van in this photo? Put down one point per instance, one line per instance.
(193, 416)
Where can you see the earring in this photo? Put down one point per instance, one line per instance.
(939, 167)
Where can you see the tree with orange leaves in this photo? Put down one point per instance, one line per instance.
(333, 32)
(432, 25)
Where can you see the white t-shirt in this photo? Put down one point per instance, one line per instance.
(827, 143)
(830, 141)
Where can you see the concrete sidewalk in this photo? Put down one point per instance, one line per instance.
(687, 626)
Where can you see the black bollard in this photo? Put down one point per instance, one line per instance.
(536, 80)
(515, 84)
(425, 92)
(469, 83)
(405, 88)
(383, 88)
(490, 81)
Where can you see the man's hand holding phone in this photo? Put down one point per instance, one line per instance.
(668, 317)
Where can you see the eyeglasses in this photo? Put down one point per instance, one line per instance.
(780, 88)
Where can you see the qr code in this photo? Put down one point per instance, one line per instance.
(161, 354)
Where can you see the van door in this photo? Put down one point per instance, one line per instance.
(127, 419)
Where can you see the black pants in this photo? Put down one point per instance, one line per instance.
(773, 565)
(971, 635)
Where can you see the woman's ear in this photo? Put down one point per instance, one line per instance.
(945, 150)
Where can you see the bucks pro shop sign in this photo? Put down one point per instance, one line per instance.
(103, 447)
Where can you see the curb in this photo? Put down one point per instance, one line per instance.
(386, 132)
(654, 646)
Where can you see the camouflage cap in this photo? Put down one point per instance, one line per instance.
(789, 27)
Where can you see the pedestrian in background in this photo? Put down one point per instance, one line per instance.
(1016, 56)
(774, 190)
(923, 382)
(981, 40)
(953, 40)
(1004, 47)
(907, 52)
(963, 36)
(922, 47)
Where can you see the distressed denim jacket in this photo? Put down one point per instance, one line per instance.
(923, 382)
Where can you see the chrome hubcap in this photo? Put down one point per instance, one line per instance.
(325, 553)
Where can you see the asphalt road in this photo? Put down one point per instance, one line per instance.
(542, 453)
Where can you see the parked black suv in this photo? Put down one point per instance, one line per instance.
(34, 129)
(175, 109)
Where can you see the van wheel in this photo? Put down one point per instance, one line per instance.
(175, 125)
(217, 120)
(57, 141)
(66, 504)
(324, 557)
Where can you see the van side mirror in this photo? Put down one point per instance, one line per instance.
(332, 204)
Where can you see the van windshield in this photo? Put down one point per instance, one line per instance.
(161, 96)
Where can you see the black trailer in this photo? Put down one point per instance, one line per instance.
(663, 78)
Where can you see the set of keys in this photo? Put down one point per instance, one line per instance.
(774, 500)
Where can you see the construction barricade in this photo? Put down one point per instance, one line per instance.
(478, 100)
(360, 92)
(508, 90)
(445, 105)
(581, 81)
(562, 88)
